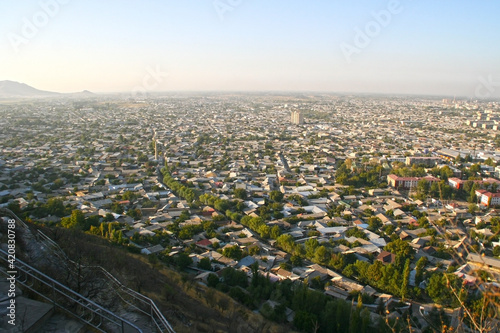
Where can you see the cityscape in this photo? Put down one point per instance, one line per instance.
(235, 166)
(380, 203)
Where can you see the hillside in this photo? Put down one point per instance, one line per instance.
(12, 89)
(187, 305)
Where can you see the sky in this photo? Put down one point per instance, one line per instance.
(359, 46)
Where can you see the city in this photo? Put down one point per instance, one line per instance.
(386, 204)
(249, 166)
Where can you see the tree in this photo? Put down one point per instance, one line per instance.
(374, 223)
(321, 255)
(240, 193)
(446, 173)
(375, 271)
(14, 207)
(276, 196)
(212, 280)
(297, 260)
(233, 252)
(420, 269)
(129, 195)
(423, 187)
(399, 247)
(402, 250)
(473, 208)
(311, 245)
(286, 242)
(183, 260)
(275, 232)
(496, 251)
(475, 168)
(406, 276)
(55, 206)
(304, 321)
(205, 264)
(76, 220)
(444, 288)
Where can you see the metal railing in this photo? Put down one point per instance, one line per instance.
(20, 222)
(141, 303)
(66, 299)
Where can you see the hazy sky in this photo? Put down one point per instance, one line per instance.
(421, 47)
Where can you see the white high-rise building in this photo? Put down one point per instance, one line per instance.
(297, 118)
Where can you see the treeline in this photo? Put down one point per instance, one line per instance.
(314, 311)
(392, 278)
(359, 177)
(178, 188)
(258, 225)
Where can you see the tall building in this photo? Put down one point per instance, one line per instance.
(297, 118)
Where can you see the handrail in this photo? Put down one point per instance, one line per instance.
(12, 214)
(98, 315)
(155, 314)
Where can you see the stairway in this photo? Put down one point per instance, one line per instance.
(33, 316)
(64, 310)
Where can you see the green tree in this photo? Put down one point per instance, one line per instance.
(406, 277)
(496, 251)
(276, 196)
(400, 247)
(310, 246)
(55, 206)
(305, 321)
(76, 220)
(205, 264)
(233, 252)
(183, 260)
(473, 208)
(14, 207)
(286, 242)
(374, 223)
(444, 288)
(212, 280)
(275, 232)
(321, 255)
(240, 193)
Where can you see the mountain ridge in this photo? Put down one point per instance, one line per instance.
(14, 89)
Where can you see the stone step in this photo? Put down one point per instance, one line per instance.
(59, 323)
(30, 315)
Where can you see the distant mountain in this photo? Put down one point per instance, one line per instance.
(12, 89)
(84, 93)
(16, 89)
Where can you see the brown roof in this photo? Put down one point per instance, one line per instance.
(386, 257)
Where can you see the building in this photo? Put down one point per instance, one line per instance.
(407, 182)
(487, 198)
(427, 161)
(297, 118)
(456, 183)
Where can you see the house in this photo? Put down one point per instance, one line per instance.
(204, 243)
(247, 262)
(487, 262)
(386, 257)
(284, 274)
(153, 249)
(331, 231)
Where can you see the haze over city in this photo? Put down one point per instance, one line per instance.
(400, 47)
